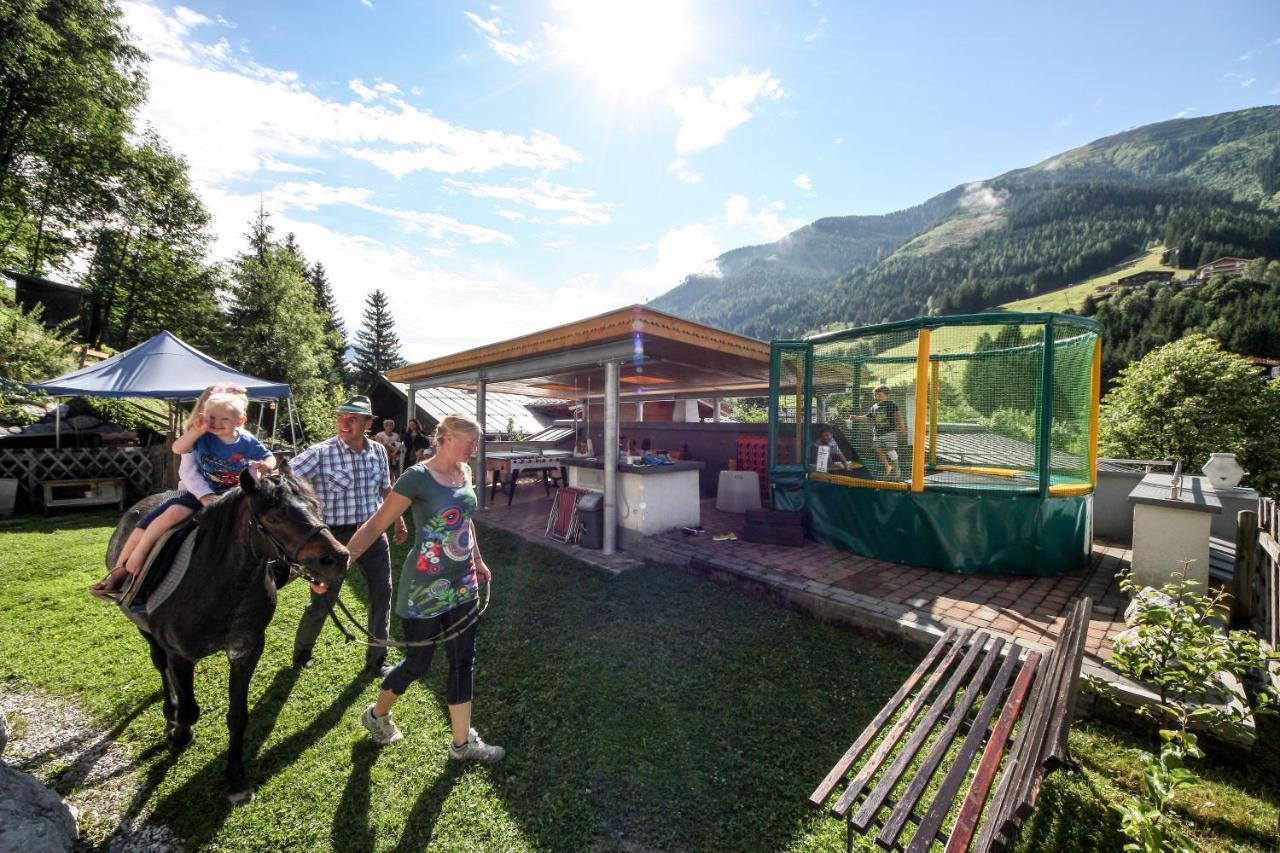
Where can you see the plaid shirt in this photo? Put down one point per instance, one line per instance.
(349, 484)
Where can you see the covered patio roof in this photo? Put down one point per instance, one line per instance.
(662, 357)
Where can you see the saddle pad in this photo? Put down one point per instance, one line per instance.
(177, 570)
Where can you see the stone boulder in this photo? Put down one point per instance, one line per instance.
(33, 819)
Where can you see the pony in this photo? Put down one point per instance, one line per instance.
(228, 596)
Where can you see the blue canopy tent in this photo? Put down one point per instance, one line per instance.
(165, 368)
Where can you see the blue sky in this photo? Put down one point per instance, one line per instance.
(499, 169)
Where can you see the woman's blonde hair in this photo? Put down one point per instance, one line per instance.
(457, 424)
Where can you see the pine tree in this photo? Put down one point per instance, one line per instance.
(274, 322)
(377, 347)
(335, 333)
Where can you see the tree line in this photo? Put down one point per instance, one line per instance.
(89, 195)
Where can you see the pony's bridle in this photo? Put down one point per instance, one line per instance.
(283, 553)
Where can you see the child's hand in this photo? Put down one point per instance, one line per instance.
(199, 424)
(205, 500)
(262, 467)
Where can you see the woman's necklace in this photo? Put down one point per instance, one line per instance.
(453, 478)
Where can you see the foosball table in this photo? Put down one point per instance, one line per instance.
(506, 466)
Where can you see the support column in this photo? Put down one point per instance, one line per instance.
(1044, 443)
(920, 421)
(609, 457)
(715, 412)
(482, 475)
(411, 406)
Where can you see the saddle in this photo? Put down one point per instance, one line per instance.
(164, 570)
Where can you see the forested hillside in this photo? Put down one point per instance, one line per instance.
(1243, 312)
(1204, 187)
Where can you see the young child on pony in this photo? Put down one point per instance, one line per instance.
(220, 450)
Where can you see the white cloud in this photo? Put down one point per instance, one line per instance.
(541, 194)
(270, 165)
(683, 173)
(249, 114)
(681, 252)
(767, 223)
(804, 182)
(1066, 121)
(980, 197)
(708, 114)
(1184, 113)
(361, 89)
(1247, 82)
(492, 31)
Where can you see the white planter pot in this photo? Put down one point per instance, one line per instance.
(8, 496)
(1223, 471)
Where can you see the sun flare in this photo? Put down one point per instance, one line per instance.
(628, 47)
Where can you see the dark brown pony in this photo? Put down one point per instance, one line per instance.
(228, 596)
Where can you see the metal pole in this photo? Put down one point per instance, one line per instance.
(1044, 446)
(57, 424)
(275, 420)
(410, 411)
(609, 457)
(481, 474)
(715, 414)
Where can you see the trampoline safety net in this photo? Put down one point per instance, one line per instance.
(991, 402)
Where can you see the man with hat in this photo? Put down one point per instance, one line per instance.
(351, 477)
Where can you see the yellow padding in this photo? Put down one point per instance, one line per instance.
(859, 482)
(974, 469)
(1070, 490)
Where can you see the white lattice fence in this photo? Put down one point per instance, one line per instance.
(141, 467)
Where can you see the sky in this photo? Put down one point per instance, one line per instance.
(500, 169)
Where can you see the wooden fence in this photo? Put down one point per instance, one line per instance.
(143, 468)
(1256, 580)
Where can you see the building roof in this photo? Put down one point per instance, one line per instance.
(663, 357)
(500, 409)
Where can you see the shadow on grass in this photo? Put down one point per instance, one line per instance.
(200, 805)
(351, 829)
(420, 826)
(656, 710)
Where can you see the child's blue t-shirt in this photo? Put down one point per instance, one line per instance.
(220, 462)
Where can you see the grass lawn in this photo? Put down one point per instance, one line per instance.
(646, 711)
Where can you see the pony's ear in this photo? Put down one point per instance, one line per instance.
(247, 483)
(283, 467)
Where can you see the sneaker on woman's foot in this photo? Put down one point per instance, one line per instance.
(382, 728)
(476, 750)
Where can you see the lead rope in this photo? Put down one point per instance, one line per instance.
(478, 610)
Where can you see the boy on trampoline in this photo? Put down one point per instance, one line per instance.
(887, 423)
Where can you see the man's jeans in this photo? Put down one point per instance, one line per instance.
(376, 565)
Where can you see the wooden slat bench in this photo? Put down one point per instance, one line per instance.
(940, 699)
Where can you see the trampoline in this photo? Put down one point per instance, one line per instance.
(964, 443)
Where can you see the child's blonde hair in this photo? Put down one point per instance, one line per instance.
(225, 396)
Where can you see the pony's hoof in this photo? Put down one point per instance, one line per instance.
(240, 798)
(181, 737)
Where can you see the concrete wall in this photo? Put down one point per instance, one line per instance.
(1113, 514)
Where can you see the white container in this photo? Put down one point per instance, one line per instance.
(8, 495)
(1223, 471)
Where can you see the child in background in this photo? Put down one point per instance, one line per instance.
(887, 426)
(220, 451)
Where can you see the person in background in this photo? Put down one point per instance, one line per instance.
(417, 444)
(351, 477)
(437, 593)
(887, 426)
(835, 459)
(390, 439)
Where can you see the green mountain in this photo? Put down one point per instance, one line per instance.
(1207, 185)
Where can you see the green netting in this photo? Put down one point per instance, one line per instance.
(999, 411)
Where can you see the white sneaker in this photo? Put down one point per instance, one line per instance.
(476, 750)
(383, 729)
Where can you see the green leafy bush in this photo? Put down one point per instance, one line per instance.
(1190, 398)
